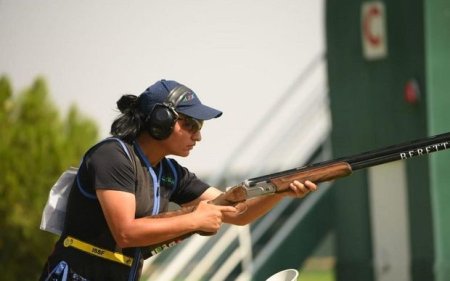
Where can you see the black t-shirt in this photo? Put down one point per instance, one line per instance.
(108, 166)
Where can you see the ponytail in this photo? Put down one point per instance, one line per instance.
(128, 124)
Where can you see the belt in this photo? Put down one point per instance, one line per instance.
(96, 251)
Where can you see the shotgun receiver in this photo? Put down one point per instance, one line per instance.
(317, 173)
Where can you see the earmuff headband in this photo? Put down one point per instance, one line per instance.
(176, 96)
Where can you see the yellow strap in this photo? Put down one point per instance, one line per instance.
(96, 251)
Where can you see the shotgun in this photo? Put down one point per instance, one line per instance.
(317, 173)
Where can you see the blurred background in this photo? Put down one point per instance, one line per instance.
(298, 81)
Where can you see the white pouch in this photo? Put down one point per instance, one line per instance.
(55, 209)
(54, 212)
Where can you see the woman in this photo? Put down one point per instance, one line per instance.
(125, 181)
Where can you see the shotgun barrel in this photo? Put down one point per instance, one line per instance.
(375, 157)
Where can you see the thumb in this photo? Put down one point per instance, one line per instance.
(227, 209)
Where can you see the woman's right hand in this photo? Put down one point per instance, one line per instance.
(208, 217)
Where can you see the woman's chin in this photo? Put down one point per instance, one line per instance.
(184, 153)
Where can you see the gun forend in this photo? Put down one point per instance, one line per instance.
(315, 174)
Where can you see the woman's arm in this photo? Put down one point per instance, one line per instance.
(257, 207)
(119, 210)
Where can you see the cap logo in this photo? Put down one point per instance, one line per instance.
(188, 97)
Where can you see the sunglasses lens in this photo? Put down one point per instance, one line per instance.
(192, 124)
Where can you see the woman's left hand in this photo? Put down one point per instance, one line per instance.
(300, 190)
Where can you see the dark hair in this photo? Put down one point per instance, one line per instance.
(128, 124)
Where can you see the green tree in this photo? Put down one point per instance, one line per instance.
(36, 146)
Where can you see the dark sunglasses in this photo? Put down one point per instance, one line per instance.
(191, 124)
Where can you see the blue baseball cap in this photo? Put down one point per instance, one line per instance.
(190, 105)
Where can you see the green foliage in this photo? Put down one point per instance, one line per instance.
(36, 146)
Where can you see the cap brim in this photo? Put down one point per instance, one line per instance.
(199, 111)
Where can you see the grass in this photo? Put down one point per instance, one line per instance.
(316, 275)
(317, 269)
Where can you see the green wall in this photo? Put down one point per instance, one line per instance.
(369, 111)
(437, 14)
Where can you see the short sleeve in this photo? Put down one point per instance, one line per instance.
(189, 187)
(109, 167)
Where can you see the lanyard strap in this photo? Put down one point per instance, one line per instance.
(156, 179)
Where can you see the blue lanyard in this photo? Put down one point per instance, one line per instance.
(156, 179)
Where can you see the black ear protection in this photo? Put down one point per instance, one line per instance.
(161, 120)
